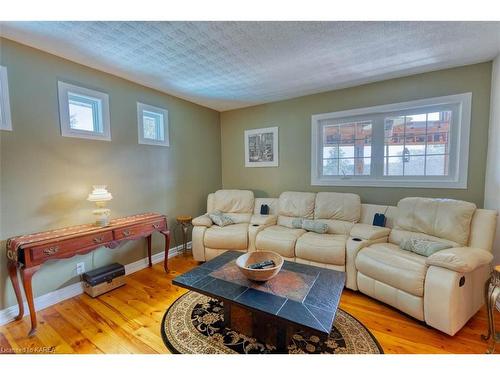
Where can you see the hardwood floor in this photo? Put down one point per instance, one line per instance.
(127, 320)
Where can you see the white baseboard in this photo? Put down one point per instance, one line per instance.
(41, 302)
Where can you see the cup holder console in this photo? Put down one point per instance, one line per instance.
(357, 239)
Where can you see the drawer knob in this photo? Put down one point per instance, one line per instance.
(126, 232)
(156, 226)
(51, 250)
(98, 239)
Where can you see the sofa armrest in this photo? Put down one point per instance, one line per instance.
(263, 219)
(202, 221)
(460, 259)
(369, 232)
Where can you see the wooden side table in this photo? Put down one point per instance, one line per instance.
(27, 253)
(492, 296)
(185, 223)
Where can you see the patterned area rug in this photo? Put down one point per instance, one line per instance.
(194, 325)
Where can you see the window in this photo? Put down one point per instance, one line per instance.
(153, 125)
(5, 119)
(84, 113)
(423, 143)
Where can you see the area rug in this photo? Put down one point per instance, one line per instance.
(194, 325)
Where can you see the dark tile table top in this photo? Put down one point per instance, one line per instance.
(302, 294)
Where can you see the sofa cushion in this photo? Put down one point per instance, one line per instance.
(337, 206)
(390, 265)
(230, 237)
(296, 204)
(444, 218)
(279, 239)
(322, 248)
(233, 201)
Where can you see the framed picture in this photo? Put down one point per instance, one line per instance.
(261, 147)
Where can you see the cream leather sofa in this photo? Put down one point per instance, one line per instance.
(444, 290)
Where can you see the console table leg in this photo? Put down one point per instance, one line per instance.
(27, 275)
(12, 267)
(167, 248)
(148, 240)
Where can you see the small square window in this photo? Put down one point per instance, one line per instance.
(5, 120)
(152, 125)
(84, 113)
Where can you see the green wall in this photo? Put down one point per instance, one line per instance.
(45, 178)
(293, 117)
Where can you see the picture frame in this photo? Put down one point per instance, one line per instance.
(262, 147)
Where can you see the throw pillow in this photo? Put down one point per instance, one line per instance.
(423, 247)
(297, 223)
(315, 226)
(218, 218)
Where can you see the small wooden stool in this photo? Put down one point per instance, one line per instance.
(492, 296)
(185, 222)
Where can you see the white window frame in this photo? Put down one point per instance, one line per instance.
(5, 115)
(459, 145)
(103, 112)
(141, 107)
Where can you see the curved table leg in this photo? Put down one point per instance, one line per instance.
(487, 297)
(27, 275)
(491, 322)
(12, 267)
(166, 233)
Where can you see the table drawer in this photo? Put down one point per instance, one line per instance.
(139, 229)
(68, 246)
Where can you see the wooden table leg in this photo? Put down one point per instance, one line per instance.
(166, 233)
(27, 275)
(148, 240)
(12, 267)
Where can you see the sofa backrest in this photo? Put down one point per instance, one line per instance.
(238, 204)
(368, 212)
(443, 219)
(294, 204)
(340, 211)
(272, 203)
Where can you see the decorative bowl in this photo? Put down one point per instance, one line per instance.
(256, 257)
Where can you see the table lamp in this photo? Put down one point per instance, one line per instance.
(100, 196)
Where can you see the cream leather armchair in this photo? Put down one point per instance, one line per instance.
(211, 240)
(445, 289)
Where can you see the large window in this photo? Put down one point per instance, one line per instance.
(84, 113)
(152, 125)
(423, 143)
(5, 120)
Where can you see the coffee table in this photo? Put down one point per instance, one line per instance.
(300, 298)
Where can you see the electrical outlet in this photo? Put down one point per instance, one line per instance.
(80, 268)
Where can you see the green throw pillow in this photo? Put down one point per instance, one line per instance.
(218, 218)
(297, 223)
(423, 247)
(315, 226)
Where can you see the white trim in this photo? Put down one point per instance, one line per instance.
(275, 162)
(63, 89)
(456, 180)
(6, 119)
(140, 126)
(41, 302)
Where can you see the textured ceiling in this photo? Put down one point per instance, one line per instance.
(227, 65)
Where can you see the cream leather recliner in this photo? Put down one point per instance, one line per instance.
(210, 240)
(445, 289)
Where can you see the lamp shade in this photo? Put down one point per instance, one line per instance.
(99, 194)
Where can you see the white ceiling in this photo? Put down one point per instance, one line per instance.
(228, 65)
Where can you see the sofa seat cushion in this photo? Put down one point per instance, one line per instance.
(279, 239)
(234, 236)
(322, 248)
(390, 265)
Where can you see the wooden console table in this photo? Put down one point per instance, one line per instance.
(29, 252)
